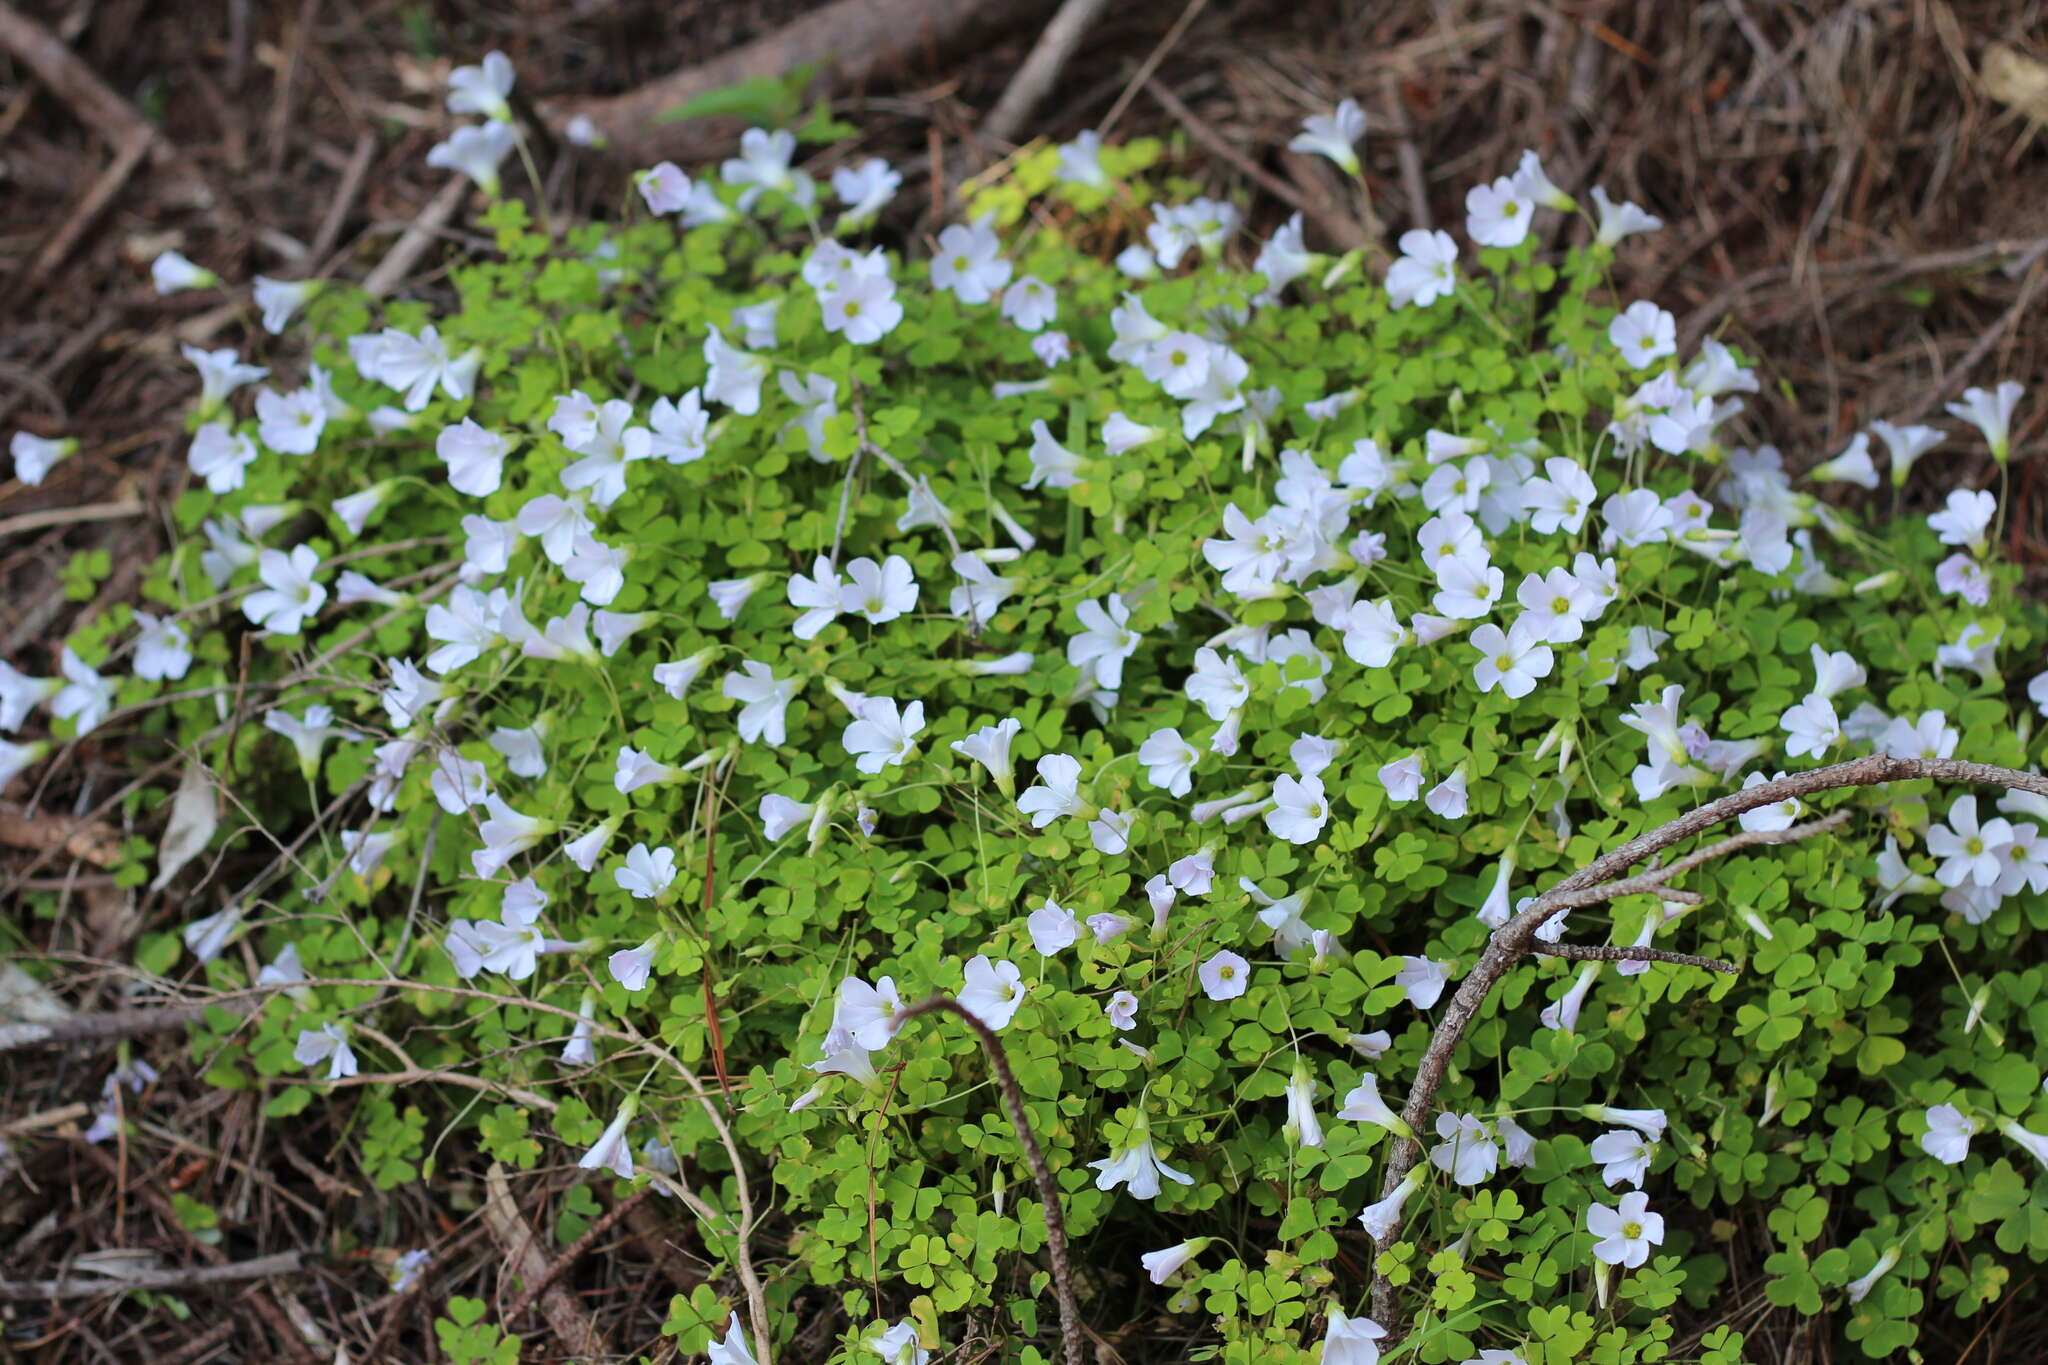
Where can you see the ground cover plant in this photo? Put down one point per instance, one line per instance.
(716, 633)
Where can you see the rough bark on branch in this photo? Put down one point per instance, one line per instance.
(849, 41)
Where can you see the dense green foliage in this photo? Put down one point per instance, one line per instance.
(1795, 1091)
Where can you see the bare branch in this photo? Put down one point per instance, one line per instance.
(1048, 1189)
(263, 1267)
(1627, 952)
(1652, 882)
(1515, 940)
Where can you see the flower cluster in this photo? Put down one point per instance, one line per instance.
(786, 634)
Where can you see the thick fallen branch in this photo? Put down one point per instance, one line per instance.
(849, 42)
(1048, 1190)
(1602, 879)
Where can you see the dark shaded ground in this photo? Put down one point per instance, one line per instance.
(1836, 180)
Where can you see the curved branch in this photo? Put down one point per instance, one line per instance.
(1516, 939)
(1627, 952)
(1048, 1189)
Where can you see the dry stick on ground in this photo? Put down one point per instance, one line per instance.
(191, 1277)
(573, 1330)
(1048, 1189)
(1034, 79)
(849, 41)
(1602, 879)
(576, 1250)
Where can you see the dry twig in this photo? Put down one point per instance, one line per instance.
(1600, 879)
(1048, 1189)
(188, 1277)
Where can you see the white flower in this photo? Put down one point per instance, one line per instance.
(882, 736)
(863, 308)
(1495, 215)
(1381, 1219)
(1110, 832)
(878, 592)
(1300, 809)
(763, 698)
(279, 299)
(172, 272)
(1053, 928)
(1620, 220)
(1136, 1166)
(1991, 413)
(1403, 779)
(354, 511)
(1626, 1233)
(1169, 761)
(1030, 303)
(1081, 161)
(865, 190)
(868, 1013)
(1853, 465)
(647, 873)
(1105, 642)
(1537, 187)
(475, 150)
(1160, 1265)
(1423, 979)
(475, 457)
(630, 967)
(1468, 1154)
(1052, 348)
(1970, 851)
(1364, 1105)
(1426, 271)
(636, 770)
(680, 429)
(220, 456)
(326, 1044)
(1052, 464)
(736, 375)
(506, 834)
(1449, 798)
(612, 1151)
(899, 1345)
(220, 374)
(482, 89)
(1512, 660)
(289, 595)
(1811, 727)
(994, 991)
(1302, 1124)
(289, 423)
(1334, 135)
(1965, 518)
(1860, 1287)
(969, 262)
(763, 165)
(734, 1350)
(34, 455)
(415, 365)
(206, 937)
(1122, 1010)
(1905, 445)
(1225, 976)
(1649, 1122)
(1643, 333)
(1624, 1156)
(1058, 792)
(86, 697)
(1520, 1143)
